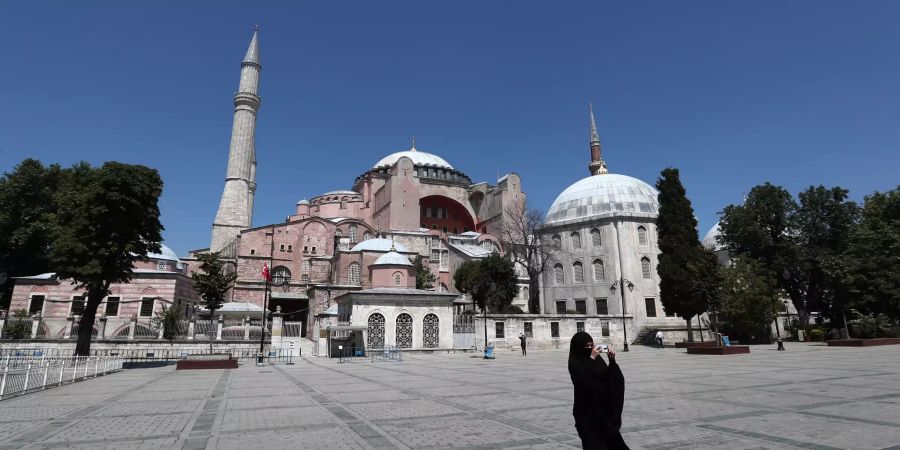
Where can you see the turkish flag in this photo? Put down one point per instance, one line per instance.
(265, 273)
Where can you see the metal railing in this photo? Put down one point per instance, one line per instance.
(23, 374)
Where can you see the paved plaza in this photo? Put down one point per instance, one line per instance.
(810, 396)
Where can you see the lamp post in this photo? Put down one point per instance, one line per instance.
(623, 282)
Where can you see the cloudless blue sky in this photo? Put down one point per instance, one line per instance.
(732, 93)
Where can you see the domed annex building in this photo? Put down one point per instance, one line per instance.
(408, 204)
(603, 230)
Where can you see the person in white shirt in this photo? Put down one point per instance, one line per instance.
(659, 339)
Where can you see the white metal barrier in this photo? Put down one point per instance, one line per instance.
(21, 374)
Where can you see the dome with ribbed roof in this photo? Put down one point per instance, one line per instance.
(606, 195)
(392, 259)
(709, 241)
(418, 159)
(165, 253)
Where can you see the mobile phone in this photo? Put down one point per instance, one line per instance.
(602, 348)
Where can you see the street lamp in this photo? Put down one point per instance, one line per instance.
(612, 288)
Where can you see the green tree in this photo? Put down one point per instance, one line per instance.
(18, 326)
(763, 228)
(749, 299)
(212, 282)
(823, 222)
(424, 278)
(106, 219)
(873, 256)
(27, 199)
(688, 276)
(491, 282)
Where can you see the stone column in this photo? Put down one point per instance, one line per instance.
(132, 325)
(192, 323)
(102, 331)
(219, 325)
(35, 325)
(277, 326)
(68, 331)
(247, 328)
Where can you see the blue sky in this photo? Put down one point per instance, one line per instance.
(732, 93)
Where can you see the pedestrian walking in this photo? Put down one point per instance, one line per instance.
(599, 394)
(522, 339)
(659, 339)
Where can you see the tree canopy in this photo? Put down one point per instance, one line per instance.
(491, 282)
(105, 219)
(688, 274)
(424, 278)
(749, 299)
(521, 236)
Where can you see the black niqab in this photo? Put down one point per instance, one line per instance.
(599, 396)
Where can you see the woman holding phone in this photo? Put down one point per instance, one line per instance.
(599, 394)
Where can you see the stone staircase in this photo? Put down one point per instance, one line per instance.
(645, 336)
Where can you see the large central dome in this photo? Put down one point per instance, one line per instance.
(604, 195)
(418, 158)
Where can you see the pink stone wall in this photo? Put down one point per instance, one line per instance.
(383, 276)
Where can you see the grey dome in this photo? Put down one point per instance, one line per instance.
(165, 253)
(606, 195)
(418, 158)
(392, 259)
(709, 241)
(378, 245)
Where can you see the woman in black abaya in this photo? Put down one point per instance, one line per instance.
(599, 395)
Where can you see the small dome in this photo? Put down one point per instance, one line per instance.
(709, 241)
(392, 259)
(604, 195)
(303, 202)
(165, 253)
(418, 158)
(378, 245)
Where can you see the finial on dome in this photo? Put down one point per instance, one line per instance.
(393, 248)
(413, 148)
(597, 166)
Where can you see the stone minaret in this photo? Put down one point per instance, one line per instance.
(236, 208)
(597, 166)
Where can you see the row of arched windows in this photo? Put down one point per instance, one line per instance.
(599, 272)
(596, 241)
(404, 331)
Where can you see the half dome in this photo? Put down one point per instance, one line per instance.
(605, 195)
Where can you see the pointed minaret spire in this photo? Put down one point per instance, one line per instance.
(236, 207)
(252, 56)
(597, 166)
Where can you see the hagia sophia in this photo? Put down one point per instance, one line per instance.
(346, 257)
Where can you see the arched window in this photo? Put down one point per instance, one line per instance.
(576, 240)
(557, 242)
(398, 279)
(352, 233)
(404, 331)
(376, 331)
(599, 270)
(281, 274)
(595, 237)
(578, 271)
(338, 234)
(367, 236)
(642, 235)
(430, 331)
(558, 275)
(353, 274)
(645, 267)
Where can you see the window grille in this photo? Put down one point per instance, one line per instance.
(650, 303)
(604, 328)
(558, 275)
(77, 305)
(554, 329)
(642, 235)
(579, 326)
(353, 274)
(560, 306)
(404, 331)
(595, 237)
(557, 242)
(146, 307)
(581, 306)
(161, 265)
(281, 274)
(352, 233)
(398, 279)
(578, 271)
(376, 331)
(645, 267)
(431, 331)
(599, 270)
(529, 330)
(576, 241)
(499, 330)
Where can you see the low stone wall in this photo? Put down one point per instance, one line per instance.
(863, 342)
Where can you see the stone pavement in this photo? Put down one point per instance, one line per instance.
(810, 396)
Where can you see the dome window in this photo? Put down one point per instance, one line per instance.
(595, 237)
(642, 235)
(645, 267)
(576, 241)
